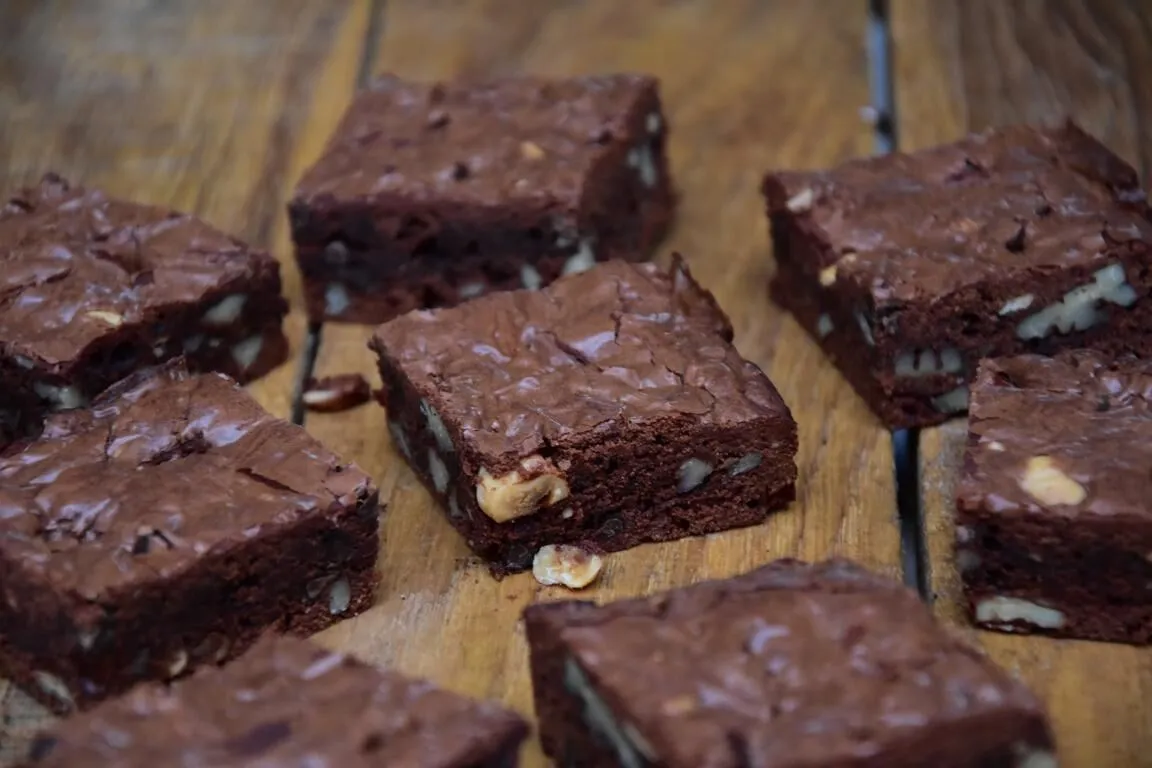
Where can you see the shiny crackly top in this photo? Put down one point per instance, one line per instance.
(286, 703)
(467, 142)
(802, 665)
(161, 469)
(1091, 416)
(66, 251)
(621, 343)
(923, 224)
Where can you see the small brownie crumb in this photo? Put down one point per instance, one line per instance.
(1054, 530)
(910, 268)
(430, 194)
(93, 288)
(606, 410)
(821, 666)
(166, 527)
(287, 703)
(332, 394)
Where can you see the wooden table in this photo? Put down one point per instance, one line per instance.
(217, 106)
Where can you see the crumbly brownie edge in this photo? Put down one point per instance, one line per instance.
(210, 613)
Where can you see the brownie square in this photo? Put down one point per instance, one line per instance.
(909, 268)
(429, 194)
(1054, 532)
(790, 665)
(287, 702)
(606, 410)
(93, 288)
(166, 527)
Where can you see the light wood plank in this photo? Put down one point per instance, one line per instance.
(963, 65)
(748, 86)
(206, 106)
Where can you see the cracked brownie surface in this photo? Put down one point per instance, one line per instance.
(910, 268)
(287, 702)
(171, 486)
(556, 415)
(788, 665)
(93, 288)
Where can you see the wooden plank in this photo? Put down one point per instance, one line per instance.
(963, 65)
(208, 106)
(748, 85)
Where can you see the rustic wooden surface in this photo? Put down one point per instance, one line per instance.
(748, 86)
(962, 65)
(204, 105)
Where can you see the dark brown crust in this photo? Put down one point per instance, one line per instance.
(1088, 561)
(417, 245)
(100, 619)
(928, 249)
(991, 733)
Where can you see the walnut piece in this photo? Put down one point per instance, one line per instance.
(1049, 485)
(567, 565)
(521, 492)
(531, 151)
(111, 318)
(1002, 610)
(828, 276)
(801, 202)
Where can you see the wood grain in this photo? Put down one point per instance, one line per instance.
(207, 106)
(963, 65)
(748, 86)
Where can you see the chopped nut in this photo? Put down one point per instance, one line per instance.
(225, 312)
(1077, 310)
(745, 463)
(336, 300)
(24, 362)
(530, 277)
(111, 318)
(581, 261)
(995, 445)
(1018, 304)
(87, 637)
(865, 329)
(531, 151)
(823, 326)
(653, 122)
(215, 647)
(953, 401)
(436, 425)
(680, 705)
(691, 474)
(178, 664)
(801, 202)
(339, 597)
(61, 398)
(471, 290)
(336, 393)
(1002, 610)
(567, 565)
(54, 687)
(336, 253)
(246, 352)
(521, 492)
(1046, 483)
(828, 276)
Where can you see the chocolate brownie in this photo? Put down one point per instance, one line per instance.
(93, 288)
(287, 702)
(429, 194)
(606, 410)
(166, 527)
(910, 268)
(790, 665)
(1054, 530)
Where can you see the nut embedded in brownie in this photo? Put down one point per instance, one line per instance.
(287, 702)
(790, 664)
(910, 268)
(1054, 533)
(606, 410)
(93, 288)
(166, 527)
(430, 194)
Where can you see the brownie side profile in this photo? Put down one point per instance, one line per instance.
(93, 288)
(910, 268)
(1054, 531)
(287, 702)
(166, 527)
(606, 410)
(822, 666)
(429, 194)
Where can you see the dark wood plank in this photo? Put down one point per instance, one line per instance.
(963, 65)
(748, 85)
(208, 106)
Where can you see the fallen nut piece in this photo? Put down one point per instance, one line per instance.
(111, 318)
(1046, 483)
(332, 394)
(521, 492)
(531, 151)
(567, 565)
